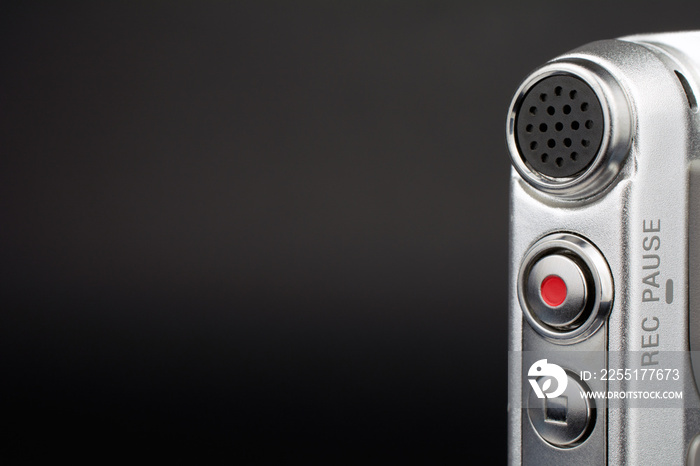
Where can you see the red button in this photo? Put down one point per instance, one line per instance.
(553, 290)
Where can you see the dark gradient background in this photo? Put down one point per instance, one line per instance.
(265, 232)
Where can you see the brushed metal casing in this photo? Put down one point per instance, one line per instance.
(653, 138)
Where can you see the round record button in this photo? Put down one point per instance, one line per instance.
(556, 290)
(565, 288)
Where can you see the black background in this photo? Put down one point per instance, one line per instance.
(263, 232)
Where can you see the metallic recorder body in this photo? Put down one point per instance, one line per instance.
(599, 222)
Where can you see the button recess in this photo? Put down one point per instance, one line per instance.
(565, 288)
(564, 421)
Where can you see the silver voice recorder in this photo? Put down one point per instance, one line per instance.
(605, 256)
